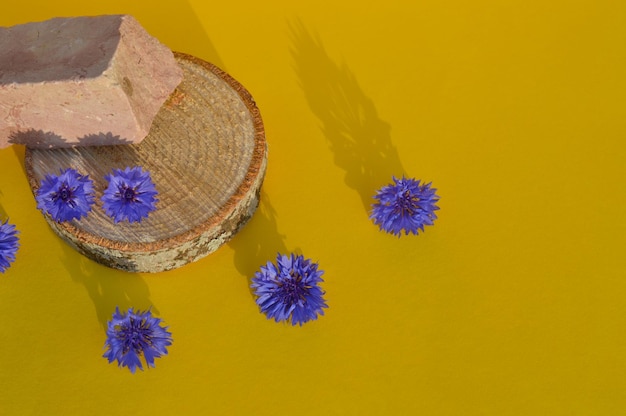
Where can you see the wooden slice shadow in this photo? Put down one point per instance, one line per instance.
(207, 155)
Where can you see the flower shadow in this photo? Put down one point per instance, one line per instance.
(259, 241)
(38, 138)
(100, 139)
(359, 139)
(107, 288)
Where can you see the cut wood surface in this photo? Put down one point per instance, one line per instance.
(207, 155)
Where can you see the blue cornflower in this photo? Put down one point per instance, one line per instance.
(289, 289)
(65, 197)
(130, 195)
(8, 245)
(133, 334)
(405, 205)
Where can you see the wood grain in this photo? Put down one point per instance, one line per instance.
(207, 154)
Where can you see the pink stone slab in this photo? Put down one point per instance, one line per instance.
(82, 81)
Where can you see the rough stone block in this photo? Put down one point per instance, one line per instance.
(82, 81)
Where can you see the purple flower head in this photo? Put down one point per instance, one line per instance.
(133, 334)
(289, 289)
(65, 197)
(8, 245)
(130, 195)
(405, 205)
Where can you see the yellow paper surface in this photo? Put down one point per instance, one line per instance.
(514, 303)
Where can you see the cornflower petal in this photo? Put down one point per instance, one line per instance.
(131, 335)
(66, 196)
(289, 291)
(9, 244)
(130, 195)
(405, 205)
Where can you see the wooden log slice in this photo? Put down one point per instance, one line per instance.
(207, 155)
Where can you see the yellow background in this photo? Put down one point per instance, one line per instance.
(514, 303)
